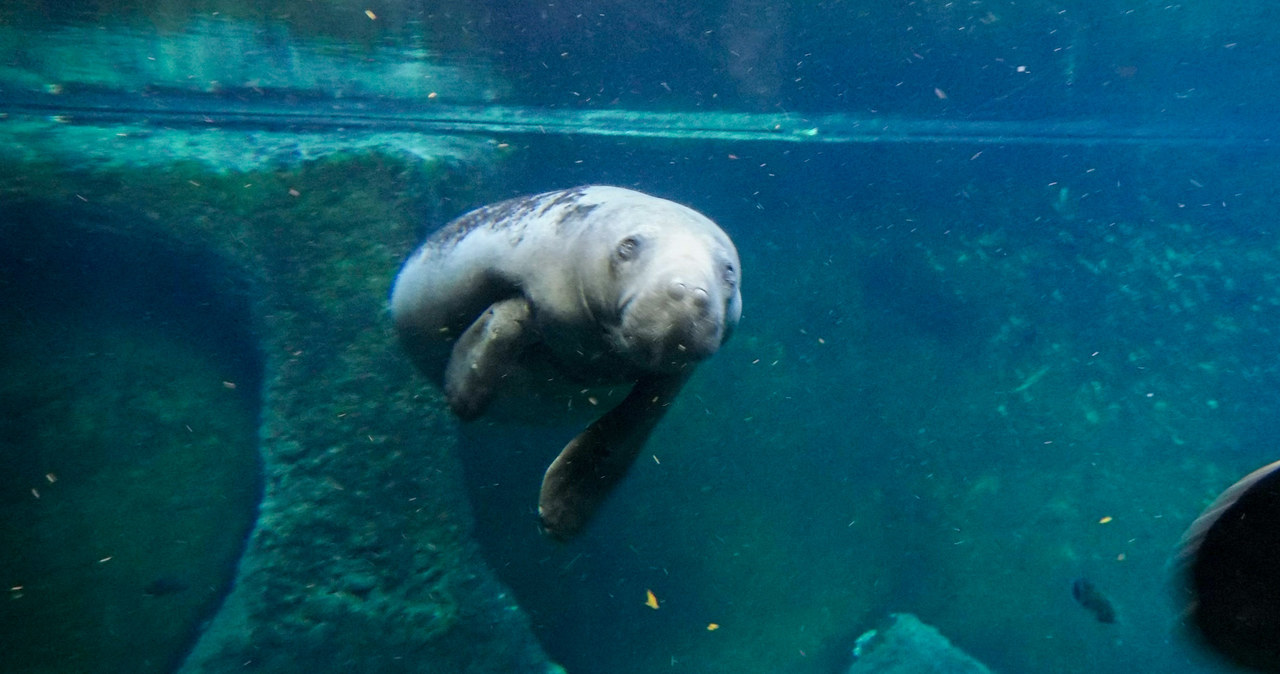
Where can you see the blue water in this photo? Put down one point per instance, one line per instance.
(1009, 281)
(951, 367)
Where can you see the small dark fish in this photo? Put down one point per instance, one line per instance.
(165, 585)
(1088, 595)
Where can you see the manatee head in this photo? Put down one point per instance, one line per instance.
(677, 297)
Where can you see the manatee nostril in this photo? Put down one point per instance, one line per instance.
(701, 299)
(698, 298)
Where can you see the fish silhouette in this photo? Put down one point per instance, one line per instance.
(1089, 596)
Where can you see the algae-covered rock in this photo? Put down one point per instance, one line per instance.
(361, 556)
(905, 645)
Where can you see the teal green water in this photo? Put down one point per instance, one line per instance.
(1010, 292)
(954, 391)
(128, 431)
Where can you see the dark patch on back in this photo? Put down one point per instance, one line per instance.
(574, 215)
(563, 197)
(503, 215)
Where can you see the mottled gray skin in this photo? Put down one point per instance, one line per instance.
(591, 286)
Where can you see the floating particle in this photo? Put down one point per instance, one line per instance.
(369, 13)
(711, 627)
(651, 600)
(1104, 520)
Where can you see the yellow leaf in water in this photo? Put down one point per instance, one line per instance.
(650, 600)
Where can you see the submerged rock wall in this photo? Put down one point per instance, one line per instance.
(362, 557)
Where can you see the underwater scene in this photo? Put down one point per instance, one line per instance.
(890, 336)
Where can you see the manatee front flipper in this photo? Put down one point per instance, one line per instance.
(483, 355)
(591, 464)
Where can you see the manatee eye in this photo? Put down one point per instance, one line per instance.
(627, 248)
(730, 275)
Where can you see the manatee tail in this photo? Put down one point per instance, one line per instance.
(592, 464)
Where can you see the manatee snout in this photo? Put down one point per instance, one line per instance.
(699, 335)
(694, 296)
(675, 325)
(698, 322)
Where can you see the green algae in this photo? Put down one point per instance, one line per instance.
(360, 551)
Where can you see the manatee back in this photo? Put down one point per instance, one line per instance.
(441, 289)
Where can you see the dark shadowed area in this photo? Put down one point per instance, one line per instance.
(129, 386)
